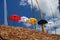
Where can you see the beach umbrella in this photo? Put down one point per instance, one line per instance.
(14, 17)
(23, 19)
(42, 21)
(50, 24)
(32, 20)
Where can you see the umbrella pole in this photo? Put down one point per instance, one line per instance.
(47, 31)
(34, 26)
(55, 31)
(14, 23)
(33, 14)
(42, 27)
(40, 16)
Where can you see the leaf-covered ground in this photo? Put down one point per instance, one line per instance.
(20, 33)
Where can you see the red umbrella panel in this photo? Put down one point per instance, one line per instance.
(14, 17)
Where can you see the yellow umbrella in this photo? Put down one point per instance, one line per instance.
(32, 20)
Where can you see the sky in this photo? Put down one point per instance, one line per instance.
(49, 9)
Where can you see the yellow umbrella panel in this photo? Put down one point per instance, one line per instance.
(32, 20)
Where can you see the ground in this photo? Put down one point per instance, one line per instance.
(20, 33)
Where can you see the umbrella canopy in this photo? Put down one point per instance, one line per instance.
(42, 22)
(32, 20)
(14, 17)
(23, 19)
